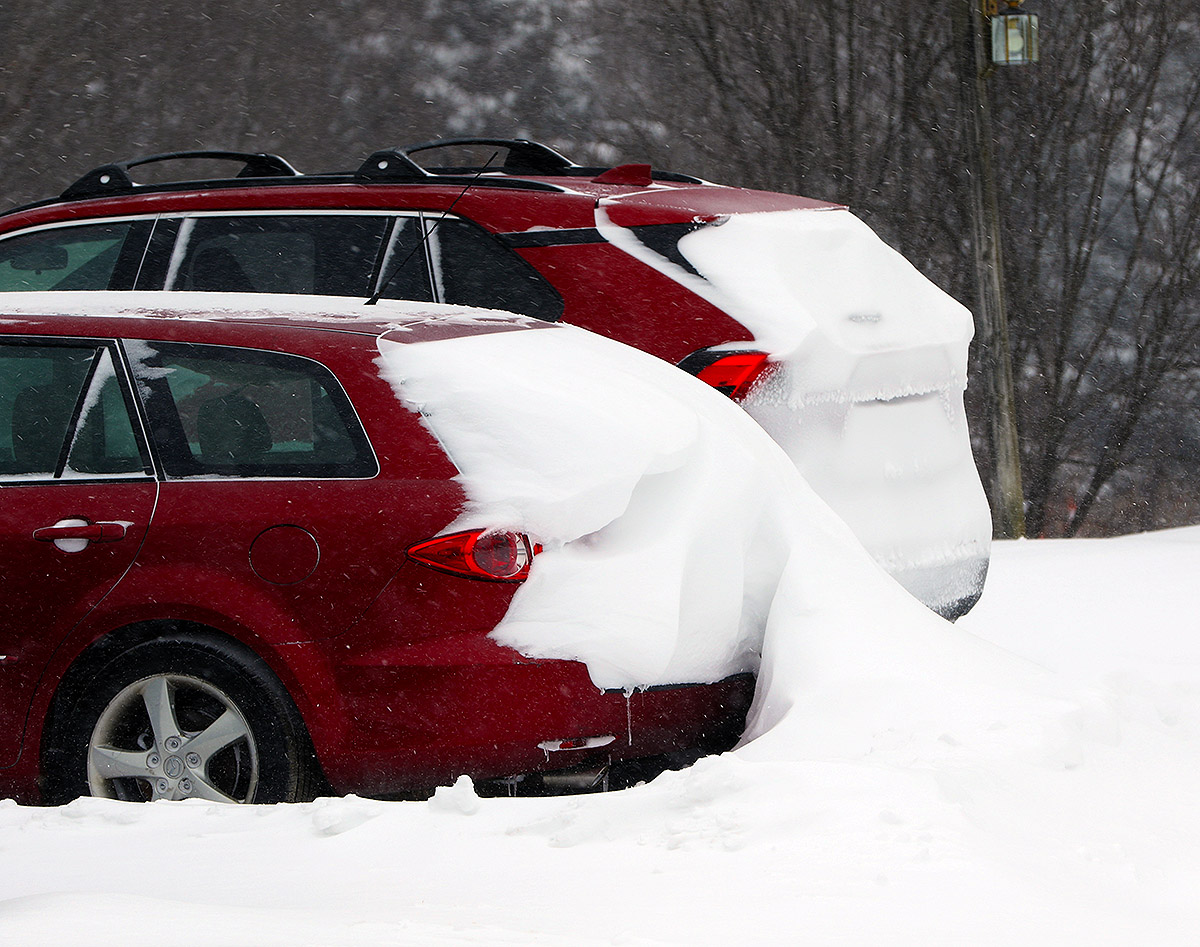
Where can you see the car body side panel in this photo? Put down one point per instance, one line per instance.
(429, 695)
(390, 663)
(499, 210)
(47, 591)
(421, 727)
(611, 293)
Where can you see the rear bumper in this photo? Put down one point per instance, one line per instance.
(900, 473)
(418, 727)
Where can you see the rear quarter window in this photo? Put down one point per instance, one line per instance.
(470, 267)
(225, 411)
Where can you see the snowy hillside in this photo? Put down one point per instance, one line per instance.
(912, 783)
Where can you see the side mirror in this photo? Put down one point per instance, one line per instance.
(44, 256)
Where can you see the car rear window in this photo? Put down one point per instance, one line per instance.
(225, 411)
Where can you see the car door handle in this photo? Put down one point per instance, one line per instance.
(95, 532)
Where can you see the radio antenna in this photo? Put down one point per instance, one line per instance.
(383, 284)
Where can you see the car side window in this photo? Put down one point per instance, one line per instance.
(405, 271)
(77, 257)
(104, 442)
(63, 414)
(225, 411)
(472, 268)
(326, 254)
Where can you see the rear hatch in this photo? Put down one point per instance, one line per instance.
(869, 365)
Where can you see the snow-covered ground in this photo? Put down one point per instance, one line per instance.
(1030, 775)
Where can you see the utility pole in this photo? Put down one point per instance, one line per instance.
(1006, 495)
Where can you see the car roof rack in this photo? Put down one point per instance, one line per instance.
(114, 178)
(527, 157)
(522, 157)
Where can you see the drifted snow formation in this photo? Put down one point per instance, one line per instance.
(867, 399)
(1068, 822)
(665, 512)
(680, 541)
(897, 772)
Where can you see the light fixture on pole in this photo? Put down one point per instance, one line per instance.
(1014, 35)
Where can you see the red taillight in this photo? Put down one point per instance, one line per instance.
(495, 555)
(731, 373)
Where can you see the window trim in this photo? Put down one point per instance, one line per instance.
(151, 258)
(183, 226)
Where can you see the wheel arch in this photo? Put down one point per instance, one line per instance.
(101, 653)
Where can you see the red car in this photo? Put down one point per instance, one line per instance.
(849, 358)
(227, 572)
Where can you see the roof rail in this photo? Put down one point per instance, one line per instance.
(523, 157)
(527, 157)
(115, 178)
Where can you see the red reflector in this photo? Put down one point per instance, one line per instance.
(735, 374)
(500, 554)
(495, 555)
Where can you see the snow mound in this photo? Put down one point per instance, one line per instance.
(667, 515)
(894, 802)
(681, 544)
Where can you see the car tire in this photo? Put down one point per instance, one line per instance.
(182, 717)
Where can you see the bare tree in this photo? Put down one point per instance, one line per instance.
(1102, 243)
(1094, 147)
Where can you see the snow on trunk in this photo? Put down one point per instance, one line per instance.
(867, 396)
